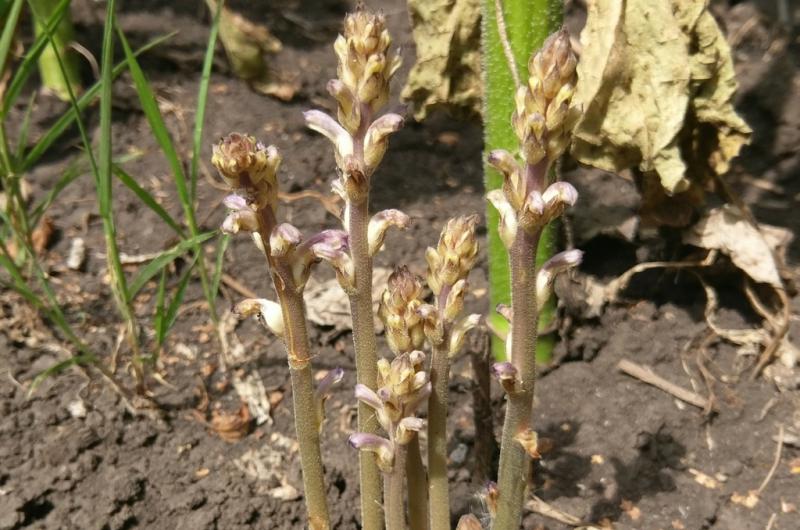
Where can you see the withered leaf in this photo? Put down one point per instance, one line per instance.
(448, 68)
(231, 426)
(656, 84)
(726, 229)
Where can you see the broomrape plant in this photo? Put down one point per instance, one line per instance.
(398, 486)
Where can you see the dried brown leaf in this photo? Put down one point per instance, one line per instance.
(231, 426)
(728, 230)
(656, 83)
(448, 68)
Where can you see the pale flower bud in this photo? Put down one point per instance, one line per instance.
(455, 254)
(557, 197)
(247, 164)
(333, 246)
(543, 118)
(284, 239)
(531, 214)
(267, 312)
(349, 112)
(365, 65)
(383, 448)
(506, 374)
(323, 391)
(508, 217)
(459, 332)
(559, 263)
(407, 429)
(455, 301)
(241, 217)
(317, 120)
(376, 140)
(380, 223)
(366, 395)
(399, 311)
(514, 186)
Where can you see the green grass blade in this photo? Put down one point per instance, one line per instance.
(65, 120)
(159, 128)
(153, 114)
(59, 367)
(22, 138)
(202, 98)
(172, 311)
(528, 23)
(148, 199)
(164, 259)
(28, 64)
(75, 169)
(221, 248)
(159, 319)
(9, 29)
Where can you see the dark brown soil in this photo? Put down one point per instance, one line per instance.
(623, 453)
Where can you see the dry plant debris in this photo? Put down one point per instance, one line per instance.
(447, 72)
(750, 247)
(656, 85)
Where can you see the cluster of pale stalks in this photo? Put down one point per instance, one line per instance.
(399, 488)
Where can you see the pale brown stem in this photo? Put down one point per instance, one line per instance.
(438, 491)
(299, 356)
(366, 359)
(394, 488)
(417, 482)
(515, 464)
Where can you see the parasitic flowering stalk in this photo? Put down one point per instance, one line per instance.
(360, 137)
(449, 264)
(402, 385)
(401, 310)
(527, 202)
(250, 170)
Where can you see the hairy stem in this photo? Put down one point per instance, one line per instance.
(514, 461)
(437, 438)
(417, 482)
(295, 339)
(305, 414)
(485, 443)
(366, 359)
(394, 487)
(527, 23)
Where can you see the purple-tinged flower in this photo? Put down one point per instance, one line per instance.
(283, 239)
(506, 374)
(380, 223)
(508, 217)
(241, 216)
(459, 333)
(377, 139)
(383, 448)
(317, 120)
(407, 429)
(561, 262)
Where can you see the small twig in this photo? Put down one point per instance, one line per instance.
(237, 286)
(767, 407)
(772, 519)
(537, 505)
(775, 462)
(646, 375)
(503, 33)
(769, 352)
